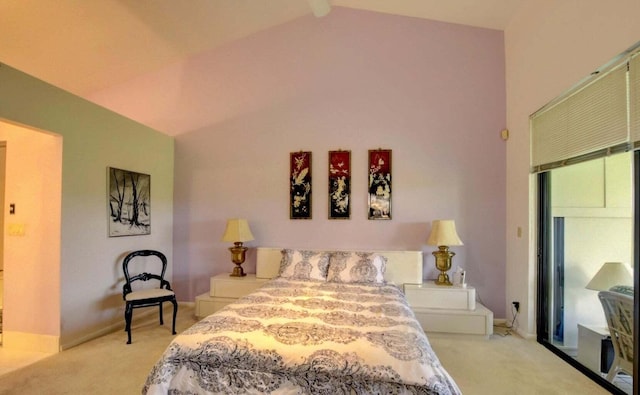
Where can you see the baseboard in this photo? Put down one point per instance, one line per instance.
(119, 326)
(30, 342)
(526, 335)
(502, 322)
(116, 326)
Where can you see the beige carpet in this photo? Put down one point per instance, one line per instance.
(508, 365)
(106, 365)
(500, 365)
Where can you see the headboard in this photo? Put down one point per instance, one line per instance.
(403, 267)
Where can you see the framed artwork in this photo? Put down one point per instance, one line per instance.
(339, 184)
(379, 198)
(300, 185)
(129, 198)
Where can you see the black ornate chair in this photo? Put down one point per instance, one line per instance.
(145, 297)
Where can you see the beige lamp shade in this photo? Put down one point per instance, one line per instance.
(610, 274)
(237, 231)
(443, 233)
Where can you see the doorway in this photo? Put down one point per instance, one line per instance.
(30, 238)
(3, 153)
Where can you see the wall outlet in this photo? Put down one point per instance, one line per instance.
(516, 305)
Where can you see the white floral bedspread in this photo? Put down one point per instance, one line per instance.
(304, 337)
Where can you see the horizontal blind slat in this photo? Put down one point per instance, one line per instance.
(591, 119)
(634, 97)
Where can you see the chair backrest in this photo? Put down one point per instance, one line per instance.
(618, 309)
(145, 276)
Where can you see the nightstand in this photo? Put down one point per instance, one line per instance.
(225, 289)
(594, 347)
(449, 309)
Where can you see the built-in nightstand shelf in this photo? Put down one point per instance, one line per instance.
(428, 295)
(225, 289)
(449, 309)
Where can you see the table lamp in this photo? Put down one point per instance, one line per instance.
(443, 234)
(237, 232)
(610, 274)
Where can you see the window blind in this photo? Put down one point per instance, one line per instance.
(634, 99)
(593, 119)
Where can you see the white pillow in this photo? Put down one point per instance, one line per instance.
(304, 265)
(357, 267)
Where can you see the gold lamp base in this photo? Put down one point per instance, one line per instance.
(443, 263)
(237, 271)
(238, 257)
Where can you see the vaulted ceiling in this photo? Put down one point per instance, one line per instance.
(87, 46)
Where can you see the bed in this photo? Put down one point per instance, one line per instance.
(327, 322)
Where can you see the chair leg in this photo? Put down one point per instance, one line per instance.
(161, 319)
(613, 371)
(128, 313)
(175, 312)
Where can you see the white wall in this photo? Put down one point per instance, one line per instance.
(90, 273)
(550, 45)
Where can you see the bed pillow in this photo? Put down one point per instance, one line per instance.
(357, 267)
(304, 265)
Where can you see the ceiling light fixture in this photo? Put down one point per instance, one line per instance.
(320, 8)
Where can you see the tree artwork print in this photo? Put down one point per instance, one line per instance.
(339, 184)
(129, 203)
(300, 185)
(379, 184)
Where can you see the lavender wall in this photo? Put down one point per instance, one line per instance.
(432, 92)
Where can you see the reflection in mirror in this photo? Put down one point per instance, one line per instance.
(591, 251)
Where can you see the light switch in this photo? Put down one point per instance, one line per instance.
(16, 229)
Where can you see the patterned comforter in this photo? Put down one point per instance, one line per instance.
(305, 337)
